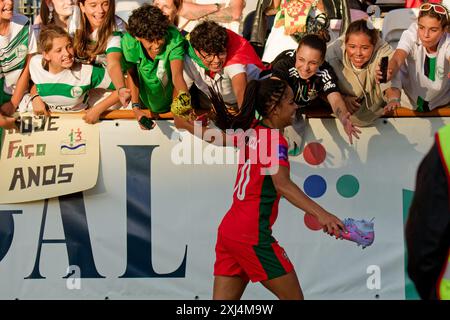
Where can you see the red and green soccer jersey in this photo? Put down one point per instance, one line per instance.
(255, 200)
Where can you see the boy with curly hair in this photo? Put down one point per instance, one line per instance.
(153, 51)
(221, 59)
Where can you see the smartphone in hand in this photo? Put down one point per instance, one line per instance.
(384, 67)
(147, 122)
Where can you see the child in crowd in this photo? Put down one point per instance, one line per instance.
(222, 59)
(355, 58)
(58, 12)
(62, 83)
(421, 63)
(98, 42)
(153, 51)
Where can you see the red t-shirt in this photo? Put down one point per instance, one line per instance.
(255, 200)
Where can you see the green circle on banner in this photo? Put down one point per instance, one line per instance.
(347, 186)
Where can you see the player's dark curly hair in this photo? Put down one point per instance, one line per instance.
(260, 95)
(209, 37)
(148, 22)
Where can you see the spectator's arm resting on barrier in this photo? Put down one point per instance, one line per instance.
(133, 85)
(39, 107)
(239, 82)
(115, 72)
(93, 114)
(211, 135)
(176, 66)
(339, 109)
(392, 99)
(22, 85)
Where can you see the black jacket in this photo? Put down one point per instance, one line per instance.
(428, 225)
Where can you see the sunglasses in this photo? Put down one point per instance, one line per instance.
(210, 57)
(436, 7)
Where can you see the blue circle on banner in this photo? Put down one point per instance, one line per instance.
(315, 186)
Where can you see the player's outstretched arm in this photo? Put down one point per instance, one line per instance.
(288, 189)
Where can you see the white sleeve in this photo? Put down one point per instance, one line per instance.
(35, 67)
(234, 69)
(408, 39)
(188, 77)
(113, 44)
(33, 39)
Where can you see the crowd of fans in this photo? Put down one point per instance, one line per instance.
(81, 56)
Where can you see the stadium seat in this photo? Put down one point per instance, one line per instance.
(395, 22)
(124, 8)
(355, 14)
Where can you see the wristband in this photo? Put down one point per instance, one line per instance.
(394, 100)
(118, 90)
(136, 105)
(34, 96)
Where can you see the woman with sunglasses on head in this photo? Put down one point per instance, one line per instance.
(421, 63)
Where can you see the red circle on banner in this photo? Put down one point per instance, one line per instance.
(311, 222)
(314, 153)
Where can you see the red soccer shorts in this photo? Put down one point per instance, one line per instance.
(250, 262)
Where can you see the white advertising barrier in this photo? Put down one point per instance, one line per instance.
(48, 157)
(148, 228)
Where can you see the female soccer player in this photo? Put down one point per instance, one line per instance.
(246, 250)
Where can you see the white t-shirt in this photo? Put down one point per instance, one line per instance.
(67, 90)
(424, 76)
(34, 38)
(193, 73)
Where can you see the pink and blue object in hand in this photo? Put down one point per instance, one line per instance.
(359, 231)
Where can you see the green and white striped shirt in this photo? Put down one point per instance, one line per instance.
(67, 91)
(113, 44)
(13, 54)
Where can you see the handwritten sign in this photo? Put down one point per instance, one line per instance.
(48, 157)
